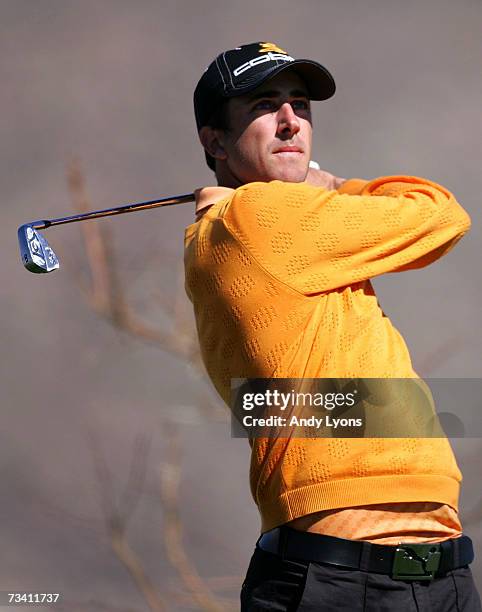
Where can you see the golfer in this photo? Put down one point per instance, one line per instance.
(278, 266)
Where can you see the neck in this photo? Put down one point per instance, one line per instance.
(226, 178)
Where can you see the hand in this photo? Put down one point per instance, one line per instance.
(322, 178)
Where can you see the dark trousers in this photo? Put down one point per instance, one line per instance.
(284, 585)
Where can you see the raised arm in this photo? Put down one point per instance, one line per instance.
(316, 240)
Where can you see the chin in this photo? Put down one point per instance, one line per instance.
(290, 175)
(290, 170)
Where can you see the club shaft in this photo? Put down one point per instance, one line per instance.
(117, 210)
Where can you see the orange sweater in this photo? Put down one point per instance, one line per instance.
(278, 274)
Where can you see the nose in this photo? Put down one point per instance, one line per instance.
(288, 121)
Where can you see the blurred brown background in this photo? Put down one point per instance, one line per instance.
(110, 83)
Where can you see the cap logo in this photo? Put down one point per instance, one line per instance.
(269, 57)
(265, 47)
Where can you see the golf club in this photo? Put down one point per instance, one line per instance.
(37, 255)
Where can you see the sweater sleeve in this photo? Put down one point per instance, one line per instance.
(316, 240)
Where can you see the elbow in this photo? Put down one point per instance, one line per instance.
(458, 219)
(466, 222)
(450, 218)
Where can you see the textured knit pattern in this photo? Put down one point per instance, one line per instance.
(391, 523)
(278, 274)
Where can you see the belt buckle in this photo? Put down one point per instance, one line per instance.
(416, 561)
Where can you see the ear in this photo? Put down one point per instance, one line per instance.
(212, 140)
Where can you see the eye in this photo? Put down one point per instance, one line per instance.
(300, 104)
(264, 105)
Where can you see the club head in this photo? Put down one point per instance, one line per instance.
(36, 254)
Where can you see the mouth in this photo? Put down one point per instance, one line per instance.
(288, 149)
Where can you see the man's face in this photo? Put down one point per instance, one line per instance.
(270, 132)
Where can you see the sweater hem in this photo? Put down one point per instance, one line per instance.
(353, 492)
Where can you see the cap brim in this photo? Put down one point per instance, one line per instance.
(318, 80)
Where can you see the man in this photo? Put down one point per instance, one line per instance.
(277, 265)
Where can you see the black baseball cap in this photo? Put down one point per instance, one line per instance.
(240, 70)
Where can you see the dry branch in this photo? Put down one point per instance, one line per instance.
(173, 532)
(116, 517)
(106, 294)
(107, 298)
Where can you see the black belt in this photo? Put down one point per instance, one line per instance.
(401, 562)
